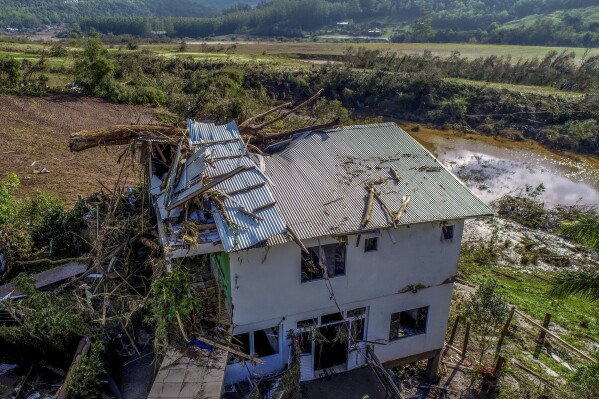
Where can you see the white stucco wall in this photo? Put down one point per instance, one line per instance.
(267, 288)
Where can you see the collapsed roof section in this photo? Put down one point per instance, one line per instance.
(214, 194)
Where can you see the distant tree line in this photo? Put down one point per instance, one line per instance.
(426, 20)
(560, 70)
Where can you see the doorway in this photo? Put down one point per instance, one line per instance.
(331, 350)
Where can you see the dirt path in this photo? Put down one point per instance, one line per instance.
(37, 129)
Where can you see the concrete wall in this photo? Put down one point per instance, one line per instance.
(267, 288)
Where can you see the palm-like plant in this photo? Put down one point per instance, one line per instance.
(582, 282)
(584, 229)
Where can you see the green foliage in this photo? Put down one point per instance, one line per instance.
(87, 377)
(486, 309)
(123, 94)
(171, 295)
(584, 229)
(41, 221)
(93, 69)
(526, 209)
(46, 321)
(8, 202)
(584, 383)
(10, 72)
(577, 282)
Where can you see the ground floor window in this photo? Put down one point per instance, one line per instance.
(258, 343)
(408, 323)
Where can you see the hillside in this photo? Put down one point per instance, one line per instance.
(529, 22)
(32, 13)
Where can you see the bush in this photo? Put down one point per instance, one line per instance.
(87, 376)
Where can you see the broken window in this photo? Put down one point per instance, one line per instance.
(357, 329)
(266, 342)
(356, 312)
(371, 244)
(242, 341)
(408, 323)
(447, 232)
(323, 257)
(331, 318)
(305, 342)
(307, 323)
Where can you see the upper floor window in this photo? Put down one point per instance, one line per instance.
(371, 244)
(408, 323)
(447, 232)
(323, 257)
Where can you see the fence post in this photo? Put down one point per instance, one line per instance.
(505, 330)
(466, 338)
(543, 334)
(454, 329)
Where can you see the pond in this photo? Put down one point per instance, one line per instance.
(492, 167)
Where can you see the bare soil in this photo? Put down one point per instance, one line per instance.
(34, 129)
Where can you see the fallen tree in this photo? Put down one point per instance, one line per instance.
(123, 134)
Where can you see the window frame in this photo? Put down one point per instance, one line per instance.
(373, 248)
(417, 331)
(447, 232)
(252, 347)
(340, 247)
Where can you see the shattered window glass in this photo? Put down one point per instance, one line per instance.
(408, 323)
(266, 342)
(242, 341)
(323, 257)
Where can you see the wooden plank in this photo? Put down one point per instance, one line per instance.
(505, 330)
(231, 350)
(296, 239)
(556, 337)
(82, 350)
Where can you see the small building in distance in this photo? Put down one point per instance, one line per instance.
(345, 237)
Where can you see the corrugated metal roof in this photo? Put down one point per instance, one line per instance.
(319, 181)
(246, 190)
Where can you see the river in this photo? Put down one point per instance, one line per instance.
(492, 167)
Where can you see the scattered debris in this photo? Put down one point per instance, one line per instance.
(5, 368)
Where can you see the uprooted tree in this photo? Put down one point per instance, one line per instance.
(255, 129)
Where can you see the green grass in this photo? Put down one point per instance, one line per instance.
(546, 90)
(293, 49)
(527, 290)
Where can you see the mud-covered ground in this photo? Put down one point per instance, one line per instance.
(34, 135)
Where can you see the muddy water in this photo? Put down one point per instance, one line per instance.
(494, 167)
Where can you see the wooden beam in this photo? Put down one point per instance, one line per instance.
(82, 350)
(368, 208)
(231, 350)
(561, 341)
(296, 239)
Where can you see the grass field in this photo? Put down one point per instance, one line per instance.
(296, 49)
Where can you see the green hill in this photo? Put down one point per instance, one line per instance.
(538, 22)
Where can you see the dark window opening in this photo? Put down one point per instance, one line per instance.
(356, 312)
(371, 244)
(306, 323)
(242, 341)
(447, 232)
(331, 318)
(266, 342)
(324, 257)
(408, 323)
(305, 342)
(357, 329)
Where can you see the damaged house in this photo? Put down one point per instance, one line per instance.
(349, 237)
